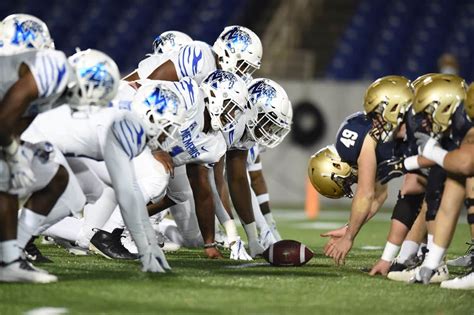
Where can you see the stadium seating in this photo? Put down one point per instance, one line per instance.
(126, 29)
(406, 37)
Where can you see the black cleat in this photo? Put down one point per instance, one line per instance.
(33, 254)
(396, 266)
(110, 245)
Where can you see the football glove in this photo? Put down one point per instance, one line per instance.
(238, 252)
(390, 169)
(18, 158)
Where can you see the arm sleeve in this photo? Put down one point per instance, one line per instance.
(193, 61)
(50, 70)
(127, 191)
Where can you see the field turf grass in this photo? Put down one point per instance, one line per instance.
(92, 284)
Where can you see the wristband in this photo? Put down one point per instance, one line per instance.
(210, 245)
(390, 252)
(411, 163)
(263, 198)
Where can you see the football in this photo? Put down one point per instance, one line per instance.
(288, 253)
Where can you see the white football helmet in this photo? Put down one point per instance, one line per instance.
(169, 41)
(162, 112)
(239, 50)
(95, 82)
(225, 96)
(274, 113)
(21, 31)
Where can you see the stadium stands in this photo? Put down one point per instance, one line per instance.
(406, 37)
(124, 29)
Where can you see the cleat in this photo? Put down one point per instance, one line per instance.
(396, 266)
(408, 275)
(221, 239)
(21, 270)
(110, 246)
(238, 252)
(422, 275)
(460, 283)
(33, 254)
(166, 244)
(465, 260)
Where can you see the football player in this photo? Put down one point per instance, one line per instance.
(34, 77)
(439, 114)
(363, 141)
(238, 50)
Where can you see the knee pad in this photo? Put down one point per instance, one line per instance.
(434, 191)
(470, 218)
(407, 208)
(469, 202)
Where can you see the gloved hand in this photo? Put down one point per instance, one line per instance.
(426, 144)
(19, 160)
(238, 252)
(150, 263)
(160, 257)
(390, 169)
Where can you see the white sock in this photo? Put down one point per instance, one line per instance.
(231, 231)
(434, 257)
(115, 221)
(28, 224)
(420, 252)
(96, 215)
(429, 241)
(9, 251)
(67, 229)
(251, 231)
(407, 251)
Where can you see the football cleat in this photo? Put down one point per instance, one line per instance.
(465, 260)
(408, 275)
(461, 283)
(110, 245)
(166, 244)
(21, 270)
(33, 254)
(423, 275)
(221, 239)
(275, 232)
(238, 252)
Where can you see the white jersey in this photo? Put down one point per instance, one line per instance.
(194, 145)
(195, 60)
(50, 71)
(78, 135)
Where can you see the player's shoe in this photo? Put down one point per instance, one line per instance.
(33, 254)
(110, 245)
(266, 238)
(21, 270)
(238, 252)
(166, 244)
(465, 260)
(128, 242)
(408, 275)
(461, 283)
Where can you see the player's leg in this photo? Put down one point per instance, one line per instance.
(444, 227)
(410, 199)
(466, 260)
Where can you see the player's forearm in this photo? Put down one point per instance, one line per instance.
(460, 161)
(361, 206)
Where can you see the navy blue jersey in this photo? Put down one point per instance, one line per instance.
(460, 125)
(351, 135)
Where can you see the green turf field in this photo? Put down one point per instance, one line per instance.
(197, 285)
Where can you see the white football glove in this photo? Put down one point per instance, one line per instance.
(266, 238)
(160, 256)
(255, 248)
(150, 263)
(238, 252)
(19, 160)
